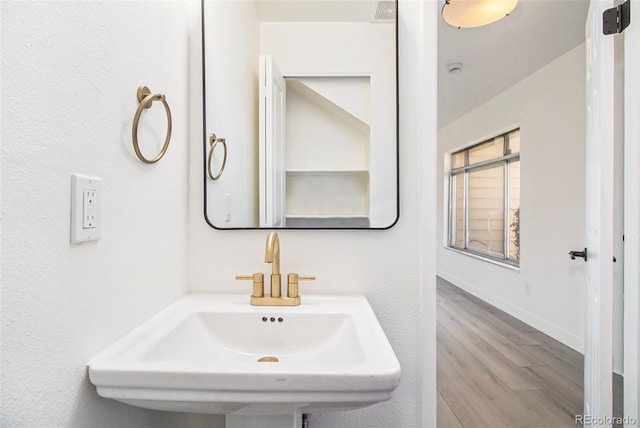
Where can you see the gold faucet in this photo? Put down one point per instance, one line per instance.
(272, 255)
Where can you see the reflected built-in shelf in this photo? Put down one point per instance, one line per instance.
(328, 177)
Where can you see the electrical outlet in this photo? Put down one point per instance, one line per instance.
(527, 289)
(86, 195)
(89, 209)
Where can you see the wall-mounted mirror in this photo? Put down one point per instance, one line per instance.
(302, 98)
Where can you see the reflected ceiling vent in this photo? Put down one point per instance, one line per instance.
(384, 11)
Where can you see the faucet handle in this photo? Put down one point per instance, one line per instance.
(292, 283)
(258, 283)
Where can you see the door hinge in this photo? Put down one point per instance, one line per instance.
(616, 19)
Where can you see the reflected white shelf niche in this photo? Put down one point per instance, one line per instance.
(328, 140)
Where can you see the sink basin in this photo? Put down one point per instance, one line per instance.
(215, 353)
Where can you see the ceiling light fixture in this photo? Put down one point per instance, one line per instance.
(476, 13)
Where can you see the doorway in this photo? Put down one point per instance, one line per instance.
(547, 103)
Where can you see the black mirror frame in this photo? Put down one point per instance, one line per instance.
(205, 147)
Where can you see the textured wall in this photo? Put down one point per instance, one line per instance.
(69, 76)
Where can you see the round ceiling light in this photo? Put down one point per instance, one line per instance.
(476, 13)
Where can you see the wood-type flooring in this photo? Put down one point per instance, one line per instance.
(496, 371)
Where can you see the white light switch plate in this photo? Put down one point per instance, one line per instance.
(86, 201)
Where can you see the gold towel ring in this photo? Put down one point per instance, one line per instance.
(213, 142)
(146, 99)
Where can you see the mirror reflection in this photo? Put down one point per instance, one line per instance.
(302, 99)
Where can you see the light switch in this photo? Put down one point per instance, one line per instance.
(86, 195)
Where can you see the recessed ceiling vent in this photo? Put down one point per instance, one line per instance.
(384, 11)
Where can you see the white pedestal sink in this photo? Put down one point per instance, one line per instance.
(215, 353)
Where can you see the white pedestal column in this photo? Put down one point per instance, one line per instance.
(285, 420)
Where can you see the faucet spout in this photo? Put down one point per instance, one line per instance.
(272, 255)
(272, 252)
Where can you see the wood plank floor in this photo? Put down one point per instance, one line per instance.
(496, 371)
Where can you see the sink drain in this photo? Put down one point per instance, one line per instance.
(268, 360)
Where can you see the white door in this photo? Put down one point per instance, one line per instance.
(272, 173)
(599, 217)
(632, 220)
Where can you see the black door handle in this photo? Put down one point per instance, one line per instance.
(574, 254)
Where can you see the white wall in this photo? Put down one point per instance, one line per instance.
(395, 269)
(549, 108)
(232, 49)
(352, 48)
(69, 76)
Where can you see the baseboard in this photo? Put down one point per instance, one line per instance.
(563, 336)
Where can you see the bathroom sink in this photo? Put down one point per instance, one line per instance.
(215, 353)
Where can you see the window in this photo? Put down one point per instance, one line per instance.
(484, 199)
